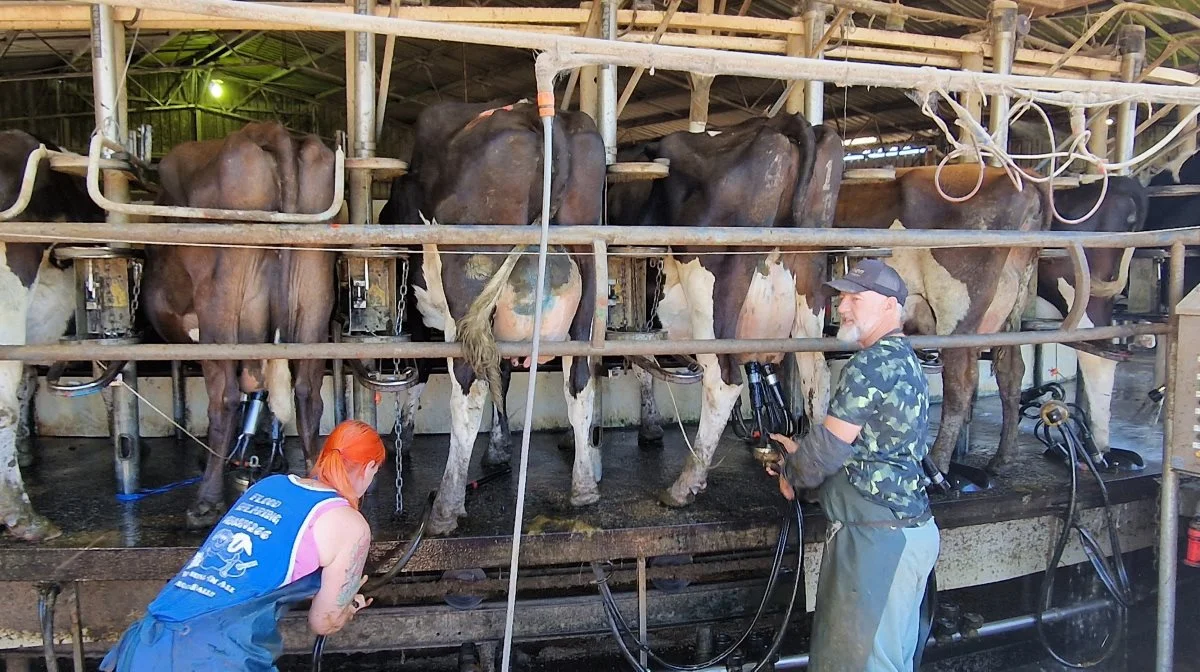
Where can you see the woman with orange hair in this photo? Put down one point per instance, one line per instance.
(287, 539)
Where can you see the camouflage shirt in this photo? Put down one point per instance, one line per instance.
(884, 390)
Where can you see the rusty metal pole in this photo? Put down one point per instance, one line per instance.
(363, 147)
(108, 58)
(1004, 36)
(1132, 44)
(1168, 513)
(1098, 125)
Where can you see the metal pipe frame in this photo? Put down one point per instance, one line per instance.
(788, 240)
(1168, 511)
(99, 141)
(572, 51)
(607, 86)
(29, 178)
(1004, 36)
(360, 180)
(166, 352)
(1132, 44)
(814, 90)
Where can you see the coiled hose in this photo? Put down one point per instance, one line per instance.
(620, 628)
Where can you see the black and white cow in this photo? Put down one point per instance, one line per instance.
(27, 279)
(482, 164)
(780, 172)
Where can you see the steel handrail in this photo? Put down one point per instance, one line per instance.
(27, 183)
(94, 190)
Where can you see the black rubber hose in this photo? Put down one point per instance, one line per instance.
(1116, 584)
(619, 628)
(378, 582)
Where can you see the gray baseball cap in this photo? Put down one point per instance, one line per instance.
(874, 276)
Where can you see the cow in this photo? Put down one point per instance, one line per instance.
(1122, 210)
(779, 172)
(481, 163)
(959, 290)
(28, 278)
(246, 295)
(1177, 212)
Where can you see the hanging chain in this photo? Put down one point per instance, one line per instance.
(135, 298)
(398, 426)
(397, 430)
(657, 296)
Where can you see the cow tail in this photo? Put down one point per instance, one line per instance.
(475, 330)
(279, 388)
(1106, 289)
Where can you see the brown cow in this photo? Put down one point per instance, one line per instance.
(959, 291)
(246, 295)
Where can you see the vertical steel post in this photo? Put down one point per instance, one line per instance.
(360, 180)
(108, 58)
(1131, 41)
(178, 400)
(607, 89)
(588, 77)
(1168, 512)
(814, 90)
(1098, 125)
(1004, 35)
(643, 607)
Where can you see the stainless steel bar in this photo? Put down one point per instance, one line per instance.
(600, 310)
(608, 84)
(179, 400)
(225, 352)
(684, 59)
(299, 235)
(1168, 511)
(126, 441)
(643, 607)
(1004, 35)
(814, 90)
(1132, 44)
(359, 200)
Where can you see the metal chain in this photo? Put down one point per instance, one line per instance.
(397, 430)
(134, 299)
(659, 279)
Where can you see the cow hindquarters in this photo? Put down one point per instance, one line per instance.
(585, 474)
(715, 407)
(466, 413)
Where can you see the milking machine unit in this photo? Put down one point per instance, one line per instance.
(372, 306)
(107, 289)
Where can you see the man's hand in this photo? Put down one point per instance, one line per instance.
(776, 469)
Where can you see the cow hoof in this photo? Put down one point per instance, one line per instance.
(669, 498)
(441, 525)
(495, 457)
(35, 528)
(203, 515)
(650, 437)
(585, 498)
(998, 465)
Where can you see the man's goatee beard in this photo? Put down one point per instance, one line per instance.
(848, 333)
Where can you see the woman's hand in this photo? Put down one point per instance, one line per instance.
(776, 469)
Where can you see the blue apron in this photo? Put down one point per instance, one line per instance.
(220, 611)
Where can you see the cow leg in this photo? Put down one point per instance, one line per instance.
(466, 412)
(650, 431)
(16, 511)
(25, 420)
(811, 366)
(308, 374)
(1010, 369)
(224, 398)
(715, 407)
(499, 450)
(960, 376)
(408, 416)
(1098, 376)
(579, 388)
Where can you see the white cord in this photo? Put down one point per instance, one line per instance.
(168, 418)
(522, 473)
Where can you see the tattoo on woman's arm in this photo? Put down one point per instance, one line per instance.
(354, 572)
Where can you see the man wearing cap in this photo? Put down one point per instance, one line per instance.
(881, 541)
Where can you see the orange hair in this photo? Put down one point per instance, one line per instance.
(351, 445)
